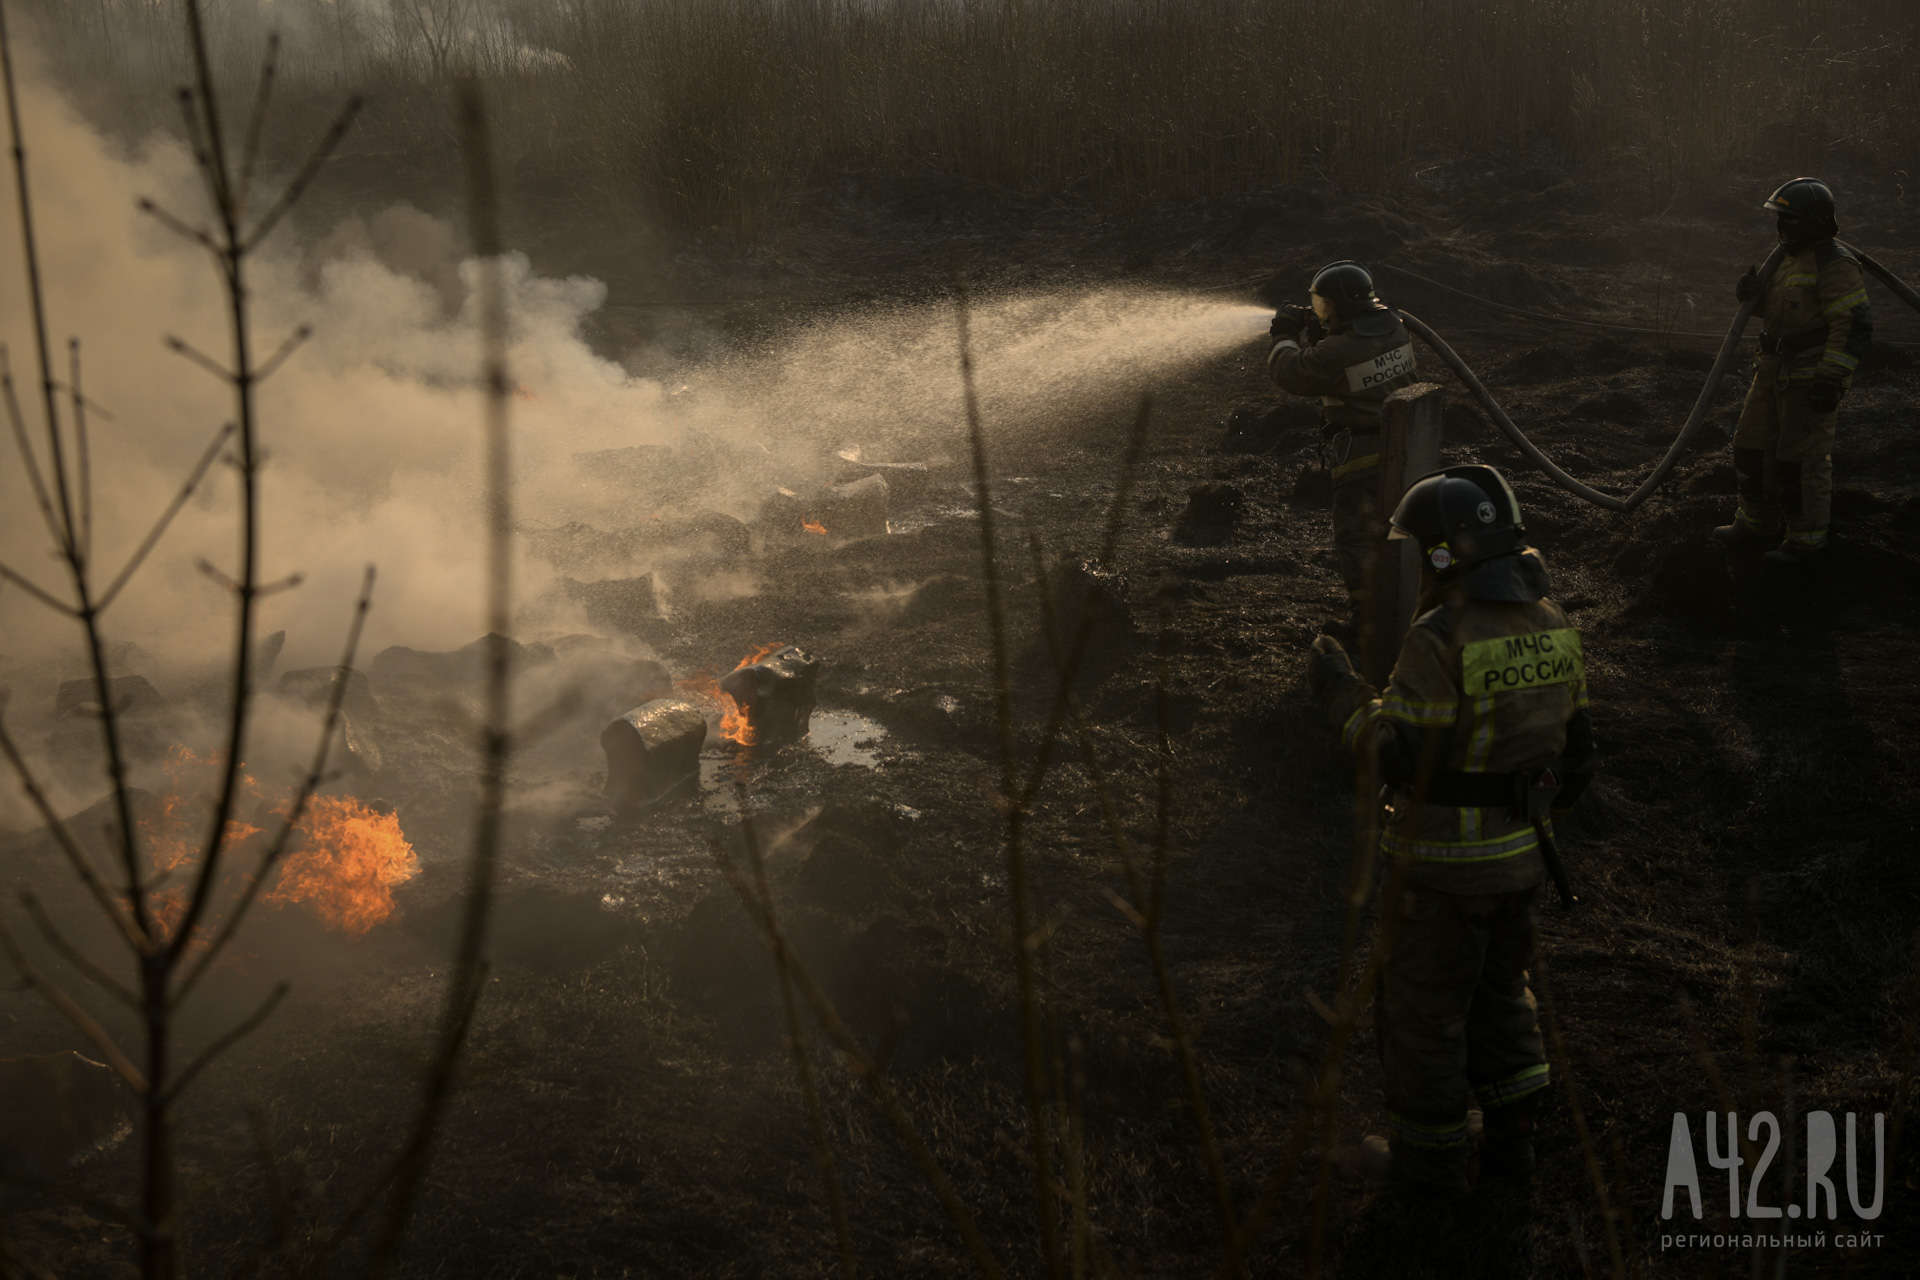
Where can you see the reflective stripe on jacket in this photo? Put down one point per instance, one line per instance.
(1491, 693)
(1353, 375)
(1820, 286)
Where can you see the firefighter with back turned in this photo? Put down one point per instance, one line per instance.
(1817, 323)
(1481, 734)
(1351, 351)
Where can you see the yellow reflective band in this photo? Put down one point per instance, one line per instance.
(1511, 663)
(1799, 278)
(1399, 708)
(1356, 464)
(1351, 729)
(1849, 302)
(1840, 358)
(1518, 1085)
(1454, 852)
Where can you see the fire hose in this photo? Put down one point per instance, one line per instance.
(1721, 362)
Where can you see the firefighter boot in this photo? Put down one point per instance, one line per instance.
(1506, 1148)
(1747, 534)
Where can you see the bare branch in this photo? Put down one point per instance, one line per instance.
(279, 357)
(256, 124)
(233, 1037)
(863, 1066)
(307, 174)
(1032, 1042)
(18, 421)
(219, 173)
(74, 956)
(463, 988)
(82, 454)
(62, 836)
(147, 543)
(177, 226)
(75, 1014)
(316, 773)
(181, 346)
(44, 597)
(816, 1118)
(213, 571)
(37, 297)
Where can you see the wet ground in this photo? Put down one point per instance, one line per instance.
(628, 1107)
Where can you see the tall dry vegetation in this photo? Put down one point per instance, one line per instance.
(712, 111)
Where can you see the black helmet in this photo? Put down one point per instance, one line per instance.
(1349, 287)
(1467, 523)
(1809, 202)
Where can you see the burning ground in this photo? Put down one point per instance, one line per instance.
(627, 1106)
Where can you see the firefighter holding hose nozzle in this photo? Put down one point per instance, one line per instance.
(1817, 323)
(1481, 734)
(1351, 351)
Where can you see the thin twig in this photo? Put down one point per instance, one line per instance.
(24, 442)
(1140, 910)
(1565, 1072)
(256, 124)
(816, 1118)
(464, 987)
(82, 453)
(39, 593)
(73, 955)
(1013, 809)
(308, 172)
(63, 836)
(177, 226)
(68, 1006)
(303, 795)
(866, 1069)
(233, 1037)
(287, 348)
(159, 528)
(180, 346)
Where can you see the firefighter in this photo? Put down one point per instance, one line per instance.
(1482, 733)
(1817, 322)
(1351, 351)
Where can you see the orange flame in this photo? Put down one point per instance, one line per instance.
(812, 526)
(344, 861)
(701, 686)
(348, 860)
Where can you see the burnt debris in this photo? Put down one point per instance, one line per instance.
(651, 750)
(775, 694)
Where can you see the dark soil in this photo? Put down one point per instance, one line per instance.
(627, 1107)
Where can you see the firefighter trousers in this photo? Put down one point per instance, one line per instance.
(1456, 1017)
(1783, 452)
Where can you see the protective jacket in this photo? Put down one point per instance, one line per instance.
(1484, 693)
(1817, 318)
(1353, 373)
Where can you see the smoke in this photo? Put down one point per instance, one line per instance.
(372, 430)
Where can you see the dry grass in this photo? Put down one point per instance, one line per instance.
(711, 112)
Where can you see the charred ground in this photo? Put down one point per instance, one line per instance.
(627, 1106)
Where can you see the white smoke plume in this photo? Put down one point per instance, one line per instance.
(373, 428)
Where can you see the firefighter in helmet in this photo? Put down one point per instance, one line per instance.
(1817, 322)
(1480, 735)
(1351, 351)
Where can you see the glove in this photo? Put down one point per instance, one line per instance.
(1316, 332)
(1328, 668)
(1289, 323)
(1823, 395)
(1747, 288)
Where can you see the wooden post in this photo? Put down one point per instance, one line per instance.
(1409, 449)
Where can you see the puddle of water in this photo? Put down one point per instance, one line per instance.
(843, 737)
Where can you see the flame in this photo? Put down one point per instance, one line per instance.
(701, 686)
(345, 857)
(346, 863)
(173, 832)
(813, 527)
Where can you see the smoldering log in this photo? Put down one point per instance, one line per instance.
(855, 510)
(651, 750)
(775, 694)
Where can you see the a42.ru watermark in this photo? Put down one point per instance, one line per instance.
(1822, 1146)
